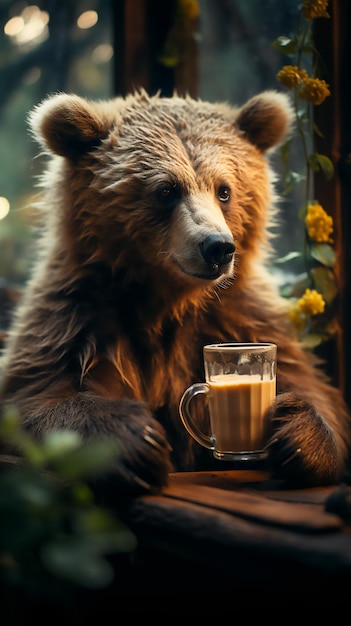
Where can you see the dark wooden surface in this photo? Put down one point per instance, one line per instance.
(225, 542)
(213, 537)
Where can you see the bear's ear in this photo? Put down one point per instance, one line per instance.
(68, 125)
(266, 119)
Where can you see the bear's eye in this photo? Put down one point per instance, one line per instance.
(223, 193)
(169, 193)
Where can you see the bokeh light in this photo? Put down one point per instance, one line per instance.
(87, 19)
(102, 53)
(28, 28)
(4, 207)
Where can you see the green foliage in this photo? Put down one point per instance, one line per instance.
(318, 255)
(320, 162)
(285, 45)
(54, 536)
(324, 281)
(324, 254)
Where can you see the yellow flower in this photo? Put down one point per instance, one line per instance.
(311, 303)
(318, 223)
(314, 90)
(291, 76)
(311, 9)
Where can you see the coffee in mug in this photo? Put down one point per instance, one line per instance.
(240, 387)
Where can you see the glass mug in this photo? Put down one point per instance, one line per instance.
(240, 386)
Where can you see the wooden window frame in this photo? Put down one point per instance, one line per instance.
(332, 39)
(140, 31)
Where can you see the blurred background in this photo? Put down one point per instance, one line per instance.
(212, 49)
(216, 50)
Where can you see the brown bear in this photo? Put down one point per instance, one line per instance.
(156, 241)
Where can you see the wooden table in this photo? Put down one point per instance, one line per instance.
(229, 541)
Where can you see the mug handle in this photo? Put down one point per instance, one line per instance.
(185, 415)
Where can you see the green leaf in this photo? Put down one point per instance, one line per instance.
(104, 530)
(313, 163)
(76, 562)
(284, 45)
(288, 257)
(321, 162)
(87, 460)
(325, 165)
(81, 560)
(312, 340)
(95, 519)
(317, 130)
(324, 253)
(302, 115)
(292, 179)
(325, 283)
(58, 443)
(31, 450)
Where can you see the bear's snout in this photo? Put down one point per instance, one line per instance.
(217, 250)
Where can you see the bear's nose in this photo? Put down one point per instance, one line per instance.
(217, 249)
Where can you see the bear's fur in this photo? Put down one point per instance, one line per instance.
(156, 239)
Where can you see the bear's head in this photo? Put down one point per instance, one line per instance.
(174, 190)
